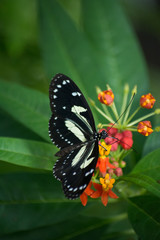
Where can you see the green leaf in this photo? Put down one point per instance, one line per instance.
(9, 127)
(27, 153)
(152, 143)
(32, 204)
(78, 228)
(102, 50)
(144, 215)
(115, 44)
(29, 107)
(149, 165)
(144, 181)
(6, 167)
(29, 201)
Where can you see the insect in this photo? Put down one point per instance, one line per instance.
(72, 129)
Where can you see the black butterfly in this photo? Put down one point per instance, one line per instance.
(72, 130)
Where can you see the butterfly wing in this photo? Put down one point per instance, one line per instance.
(72, 120)
(72, 129)
(75, 169)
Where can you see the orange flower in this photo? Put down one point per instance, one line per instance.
(147, 101)
(106, 97)
(103, 163)
(103, 190)
(145, 128)
(87, 192)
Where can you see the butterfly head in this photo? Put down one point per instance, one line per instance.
(103, 134)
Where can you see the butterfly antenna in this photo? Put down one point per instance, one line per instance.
(102, 146)
(122, 112)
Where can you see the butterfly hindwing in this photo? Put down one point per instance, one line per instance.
(76, 168)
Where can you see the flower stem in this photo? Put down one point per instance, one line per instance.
(135, 112)
(98, 90)
(134, 91)
(96, 174)
(108, 125)
(140, 119)
(114, 110)
(125, 97)
(113, 106)
(128, 110)
(100, 111)
(106, 110)
(120, 154)
(132, 129)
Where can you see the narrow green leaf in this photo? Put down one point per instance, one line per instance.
(144, 215)
(117, 50)
(28, 106)
(149, 165)
(144, 181)
(152, 143)
(102, 50)
(27, 153)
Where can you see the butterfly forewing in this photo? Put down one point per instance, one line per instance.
(72, 129)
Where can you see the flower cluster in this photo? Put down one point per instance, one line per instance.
(119, 141)
(116, 137)
(102, 190)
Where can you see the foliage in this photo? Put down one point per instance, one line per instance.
(93, 43)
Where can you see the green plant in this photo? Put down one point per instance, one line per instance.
(92, 42)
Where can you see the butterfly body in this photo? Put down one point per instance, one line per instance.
(72, 129)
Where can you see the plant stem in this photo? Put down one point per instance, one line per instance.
(140, 119)
(128, 110)
(114, 110)
(103, 114)
(125, 97)
(106, 110)
(130, 118)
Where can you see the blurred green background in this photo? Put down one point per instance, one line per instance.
(37, 40)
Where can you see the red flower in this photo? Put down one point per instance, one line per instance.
(118, 137)
(106, 97)
(145, 128)
(127, 133)
(113, 142)
(118, 171)
(127, 143)
(126, 140)
(114, 138)
(147, 101)
(111, 130)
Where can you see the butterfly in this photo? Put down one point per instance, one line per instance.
(72, 129)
